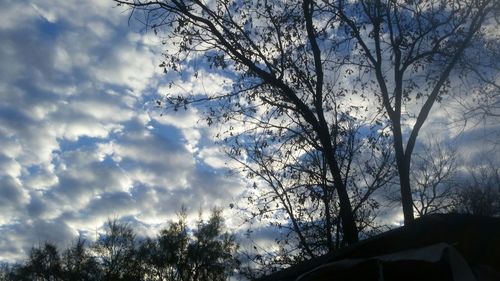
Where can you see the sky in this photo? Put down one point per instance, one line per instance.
(80, 139)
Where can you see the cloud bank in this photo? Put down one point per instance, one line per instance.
(77, 143)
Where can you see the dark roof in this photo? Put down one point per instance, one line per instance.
(476, 238)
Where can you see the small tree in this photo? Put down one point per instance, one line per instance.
(207, 254)
(480, 193)
(166, 256)
(116, 253)
(43, 264)
(77, 263)
(434, 177)
(211, 253)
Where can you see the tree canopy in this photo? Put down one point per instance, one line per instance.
(177, 253)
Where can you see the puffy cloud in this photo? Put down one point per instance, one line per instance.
(77, 145)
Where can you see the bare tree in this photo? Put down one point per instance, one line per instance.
(479, 194)
(408, 53)
(434, 177)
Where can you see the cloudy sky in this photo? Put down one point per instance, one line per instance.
(80, 141)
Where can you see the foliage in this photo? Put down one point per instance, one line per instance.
(177, 253)
(78, 263)
(206, 254)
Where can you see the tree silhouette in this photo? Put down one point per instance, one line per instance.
(43, 264)
(77, 263)
(480, 193)
(116, 250)
(210, 254)
(295, 67)
(205, 253)
(434, 177)
(281, 75)
(410, 53)
(292, 193)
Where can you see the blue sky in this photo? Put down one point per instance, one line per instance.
(80, 141)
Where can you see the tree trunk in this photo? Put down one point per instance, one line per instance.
(406, 197)
(347, 216)
(403, 165)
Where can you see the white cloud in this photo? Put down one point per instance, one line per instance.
(214, 157)
(9, 167)
(77, 145)
(190, 123)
